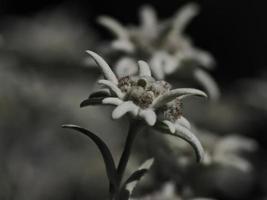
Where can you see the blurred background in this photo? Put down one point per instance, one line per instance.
(45, 74)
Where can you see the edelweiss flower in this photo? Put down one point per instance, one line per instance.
(145, 98)
(222, 150)
(163, 44)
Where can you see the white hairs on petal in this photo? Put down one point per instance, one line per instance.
(126, 107)
(184, 16)
(149, 116)
(123, 45)
(173, 94)
(144, 69)
(208, 83)
(112, 101)
(114, 26)
(113, 88)
(106, 70)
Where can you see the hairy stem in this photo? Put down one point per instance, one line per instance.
(134, 128)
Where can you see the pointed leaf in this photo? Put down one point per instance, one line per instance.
(107, 156)
(91, 101)
(132, 181)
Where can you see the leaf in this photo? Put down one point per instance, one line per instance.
(100, 93)
(107, 156)
(91, 101)
(132, 181)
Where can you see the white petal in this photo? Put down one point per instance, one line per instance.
(126, 107)
(148, 18)
(106, 70)
(204, 58)
(188, 136)
(233, 161)
(126, 67)
(163, 64)
(208, 83)
(114, 26)
(149, 116)
(113, 88)
(184, 122)
(170, 125)
(157, 68)
(123, 45)
(184, 16)
(144, 69)
(171, 95)
(112, 101)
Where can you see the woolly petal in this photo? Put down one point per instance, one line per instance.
(184, 122)
(173, 94)
(163, 64)
(204, 58)
(157, 68)
(188, 136)
(148, 18)
(149, 116)
(144, 69)
(113, 88)
(114, 26)
(126, 107)
(208, 83)
(106, 70)
(233, 161)
(126, 67)
(184, 16)
(123, 45)
(112, 101)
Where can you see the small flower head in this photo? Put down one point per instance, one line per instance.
(144, 97)
(162, 42)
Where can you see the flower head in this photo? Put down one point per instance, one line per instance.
(162, 43)
(144, 97)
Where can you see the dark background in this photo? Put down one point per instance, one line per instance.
(234, 31)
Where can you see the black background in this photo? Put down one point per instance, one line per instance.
(234, 31)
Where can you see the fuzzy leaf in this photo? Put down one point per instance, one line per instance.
(131, 182)
(91, 101)
(107, 156)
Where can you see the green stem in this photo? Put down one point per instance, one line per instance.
(134, 128)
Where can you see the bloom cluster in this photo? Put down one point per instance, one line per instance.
(144, 97)
(163, 44)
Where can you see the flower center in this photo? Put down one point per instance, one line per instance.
(173, 110)
(142, 90)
